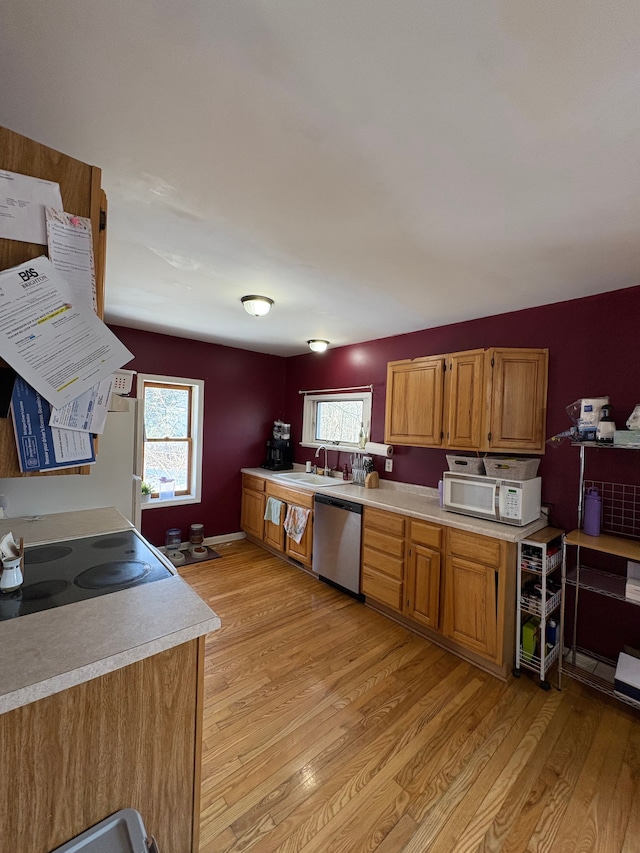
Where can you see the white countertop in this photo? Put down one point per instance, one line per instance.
(44, 653)
(414, 501)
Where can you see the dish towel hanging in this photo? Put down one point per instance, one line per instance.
(295, 522)
(272, 510)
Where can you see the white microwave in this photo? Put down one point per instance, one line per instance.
(494, 499)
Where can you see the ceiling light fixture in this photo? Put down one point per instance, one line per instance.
(257, 306)
(318, 345)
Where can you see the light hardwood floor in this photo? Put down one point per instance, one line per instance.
(329, 728)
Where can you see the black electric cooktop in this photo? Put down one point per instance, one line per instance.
(77, 569)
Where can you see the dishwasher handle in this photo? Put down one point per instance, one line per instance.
(339, 503)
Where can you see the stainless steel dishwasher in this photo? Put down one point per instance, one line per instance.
(337, 529)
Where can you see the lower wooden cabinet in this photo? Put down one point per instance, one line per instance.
(256, 491)
(474, 608)
(401, 564)
(423, 580)
(253, 504)
(130, 738)
(450, 582)
(383, 557)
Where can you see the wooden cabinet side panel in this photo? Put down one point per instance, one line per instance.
(519, 400)
(126, 739)
(81, 194)
(414, 401)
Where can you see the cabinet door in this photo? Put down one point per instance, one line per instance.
(253, 513)
(301, 551)
(466, 400)
(414, 402)
(471, 617)
(274, 533)
(518, 400)
(422, 600)
(81, 194)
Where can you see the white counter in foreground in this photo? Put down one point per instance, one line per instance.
(44, 653)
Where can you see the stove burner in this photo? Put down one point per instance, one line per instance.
(43, 589)
(45, 554)
(110, 542)
(115, 573)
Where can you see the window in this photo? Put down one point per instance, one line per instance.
(172, 439)
(335, 418)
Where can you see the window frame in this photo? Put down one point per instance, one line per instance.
(309, 417)
(195, 437)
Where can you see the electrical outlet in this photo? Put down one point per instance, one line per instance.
(388, 465)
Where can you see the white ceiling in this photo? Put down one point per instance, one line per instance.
(374, 166)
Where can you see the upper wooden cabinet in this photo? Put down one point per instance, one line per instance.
(82, 195)
(493, 399)
(415, 391)
(518, 399)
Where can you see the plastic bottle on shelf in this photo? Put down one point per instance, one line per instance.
(592, 512)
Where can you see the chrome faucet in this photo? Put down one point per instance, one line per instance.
(327, 472)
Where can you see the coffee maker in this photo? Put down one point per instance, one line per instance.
(279, 450)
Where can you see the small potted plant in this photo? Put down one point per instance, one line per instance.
(145, 488)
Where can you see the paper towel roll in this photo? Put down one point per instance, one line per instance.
(376, 449)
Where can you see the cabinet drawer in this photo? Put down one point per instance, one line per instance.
(290, 496)
(384, 522)
(257, 484)
(480, 549)
(384, 589)
(426, 534)
(384, 542)
(392, 566)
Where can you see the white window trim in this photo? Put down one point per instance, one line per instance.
(197, 419)
(308, 418)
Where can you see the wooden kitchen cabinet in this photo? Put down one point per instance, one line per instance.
(454, 587)
(383, 557)
(127, 739)
(255, 493)
(253, 504)
(81, 194)
(483, 400)
(422, 596)
(415, 393)
(518, 400)
(474, 608)
(465, 400)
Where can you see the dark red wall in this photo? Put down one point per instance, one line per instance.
(243, 395)
(593, 351)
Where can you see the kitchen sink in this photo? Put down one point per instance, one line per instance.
(302, 478)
